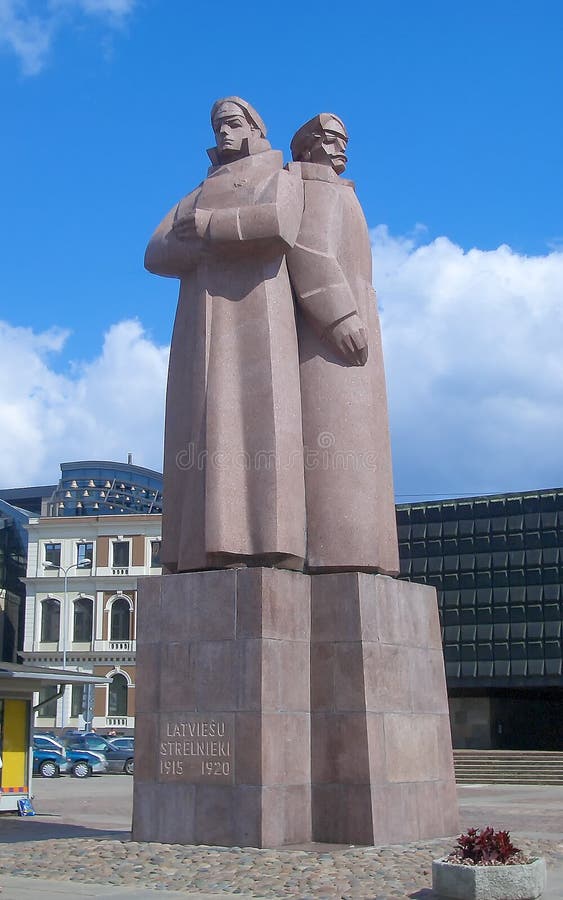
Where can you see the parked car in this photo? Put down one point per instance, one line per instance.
(47, 741)
(81, 762)
(122, 743)
(118, 759)
(49, 762)
(86, 762)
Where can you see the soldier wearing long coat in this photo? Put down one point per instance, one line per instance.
(348, 476)
(233, 457)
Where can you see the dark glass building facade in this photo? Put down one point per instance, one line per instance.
(497, 562)
(13, 561)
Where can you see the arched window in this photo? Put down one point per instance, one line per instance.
(120, 620)
(50, 620)
(117, 701)
(83, 619)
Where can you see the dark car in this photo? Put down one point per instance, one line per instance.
(119, 759)
(122, 743)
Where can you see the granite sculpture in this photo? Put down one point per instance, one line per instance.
(349, 492)
(274, 455)
(275, 706)
(233, 457)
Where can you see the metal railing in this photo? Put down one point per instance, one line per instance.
(121, 645)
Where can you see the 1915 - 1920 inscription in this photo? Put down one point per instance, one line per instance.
(197, 748)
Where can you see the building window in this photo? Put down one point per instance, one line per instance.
(84, 550)
(117, 702)
(50, 620)
(120, 554)
(49, 710)
(53, 554)
(83, 619)
(120, 619)
(77, 700)
(155, 554)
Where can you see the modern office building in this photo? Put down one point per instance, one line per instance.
(497, 562)
(13, 556)
(94, 488)
(31, 499)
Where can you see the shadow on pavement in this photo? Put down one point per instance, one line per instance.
(15, 830)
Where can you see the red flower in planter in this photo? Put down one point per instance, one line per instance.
(486, 845)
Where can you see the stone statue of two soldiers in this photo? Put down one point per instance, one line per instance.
(277, 442)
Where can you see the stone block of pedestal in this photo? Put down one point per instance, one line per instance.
(222, 749)
(381, 753)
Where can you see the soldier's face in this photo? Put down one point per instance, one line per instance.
(232, 132)
(330, 148)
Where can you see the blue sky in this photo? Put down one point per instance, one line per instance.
(456, 134)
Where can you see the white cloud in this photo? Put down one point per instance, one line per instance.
(29, 33)
(474, 365)
(118, 8)
(28, 36)
(99, 410)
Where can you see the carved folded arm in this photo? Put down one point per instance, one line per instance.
(321, 290)
(166, 254)
(275, 215)
(325, 296)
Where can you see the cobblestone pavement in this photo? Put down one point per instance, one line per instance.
(31, 850)
(375, 872)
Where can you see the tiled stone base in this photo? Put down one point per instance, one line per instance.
(222, 749)
(381, 760)
(278, 708)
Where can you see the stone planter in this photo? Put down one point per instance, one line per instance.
(520, 882)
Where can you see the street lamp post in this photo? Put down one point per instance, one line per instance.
(83, 564)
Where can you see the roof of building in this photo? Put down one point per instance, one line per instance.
(28, 499)
(92, 487)
(109, 464)
(23, 671)
(473, 498)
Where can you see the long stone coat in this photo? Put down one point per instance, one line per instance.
(233, 457)
(348, 476)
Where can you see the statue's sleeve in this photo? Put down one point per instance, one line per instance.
(321, 287)
(166, 255)
(275, 215)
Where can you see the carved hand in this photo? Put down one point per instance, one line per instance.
(350, 339)
(192, 224)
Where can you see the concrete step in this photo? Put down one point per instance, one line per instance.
(508, 767)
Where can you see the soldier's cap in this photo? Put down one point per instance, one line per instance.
(303, 137)
(249, 112)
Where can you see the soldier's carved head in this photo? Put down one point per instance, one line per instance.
(239, 130)
(322, 139)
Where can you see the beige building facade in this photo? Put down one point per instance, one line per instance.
(81, 611)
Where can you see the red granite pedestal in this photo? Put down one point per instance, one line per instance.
(381, 752)
(278, 708)
(222, 733)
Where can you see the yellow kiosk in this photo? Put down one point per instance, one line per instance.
(18, 683)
